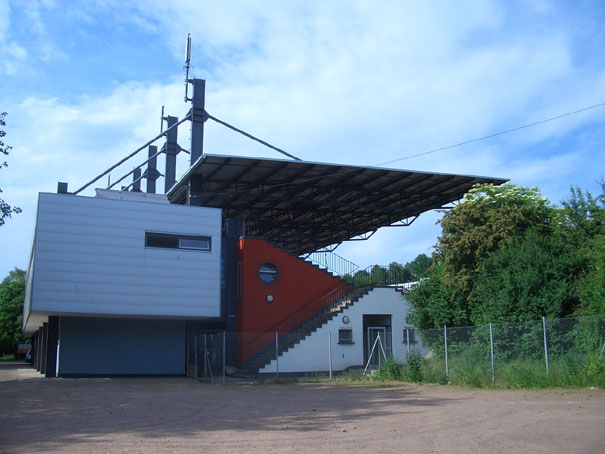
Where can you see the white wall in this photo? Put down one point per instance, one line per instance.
(90, 258)
(312, 353)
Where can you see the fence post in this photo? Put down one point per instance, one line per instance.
(447, 365)
(380, 341)
(330, 352)
(491, 344)
(276, 355)
(545, 344)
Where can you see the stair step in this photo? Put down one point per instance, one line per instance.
(289, 340)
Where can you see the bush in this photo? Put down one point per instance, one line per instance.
(433, 371)
(413, 366)
(390, 370)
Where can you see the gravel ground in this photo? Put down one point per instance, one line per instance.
(157, 415)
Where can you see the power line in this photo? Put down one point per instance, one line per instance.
(466, 142)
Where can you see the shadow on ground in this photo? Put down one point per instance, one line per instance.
(61, 411)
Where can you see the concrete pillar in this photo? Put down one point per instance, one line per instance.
(38, 348)
(34, 349)
(52, 336)
(44, 331)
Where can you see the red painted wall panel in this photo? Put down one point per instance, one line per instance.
(299, 291)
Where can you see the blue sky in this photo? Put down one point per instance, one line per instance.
(353, 82)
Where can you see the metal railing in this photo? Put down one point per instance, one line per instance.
(332, 262)
(380, 275)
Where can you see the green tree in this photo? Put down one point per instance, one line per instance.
(434, 305)
(12, 293)
(506, 254)
(534, 276)
(6, 210)
(584, 214)
(378, 275)
(361, 277)
(418, 268)
(591, 286)
(583, 226)
(489, 218)
(398, 274)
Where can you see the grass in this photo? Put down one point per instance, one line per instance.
(569, 371)
(7, 357)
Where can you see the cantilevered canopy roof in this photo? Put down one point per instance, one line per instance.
(305, 206)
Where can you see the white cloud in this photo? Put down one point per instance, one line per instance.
(352, 82)
(74, 142)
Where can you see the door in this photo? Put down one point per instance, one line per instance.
(378, 346)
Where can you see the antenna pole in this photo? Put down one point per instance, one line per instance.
(187, 66)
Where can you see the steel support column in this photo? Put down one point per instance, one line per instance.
(229, 296)
(136, 180)
(197, 119)
(151, 173)
(195, 191)
(172, 149)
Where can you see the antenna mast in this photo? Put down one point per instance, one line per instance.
(187, 66)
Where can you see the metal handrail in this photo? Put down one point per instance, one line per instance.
(332, 262)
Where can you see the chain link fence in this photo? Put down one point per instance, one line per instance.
(209, 354)
(559, 351)
(542, 352)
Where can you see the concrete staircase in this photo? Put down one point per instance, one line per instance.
(288, 340)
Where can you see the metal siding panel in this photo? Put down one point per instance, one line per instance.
(150, 306)
(83, 277)
(135, 291)
(89, 260)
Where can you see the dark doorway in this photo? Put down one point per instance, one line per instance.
(374, 350)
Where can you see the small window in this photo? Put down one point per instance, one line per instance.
(201, 243)
(165, 240)
(409, 336)
(345, 336)
(267, 273)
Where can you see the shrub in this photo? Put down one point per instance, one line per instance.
(413, 366)
(390, 370)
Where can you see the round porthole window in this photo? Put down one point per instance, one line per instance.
(267, 273)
